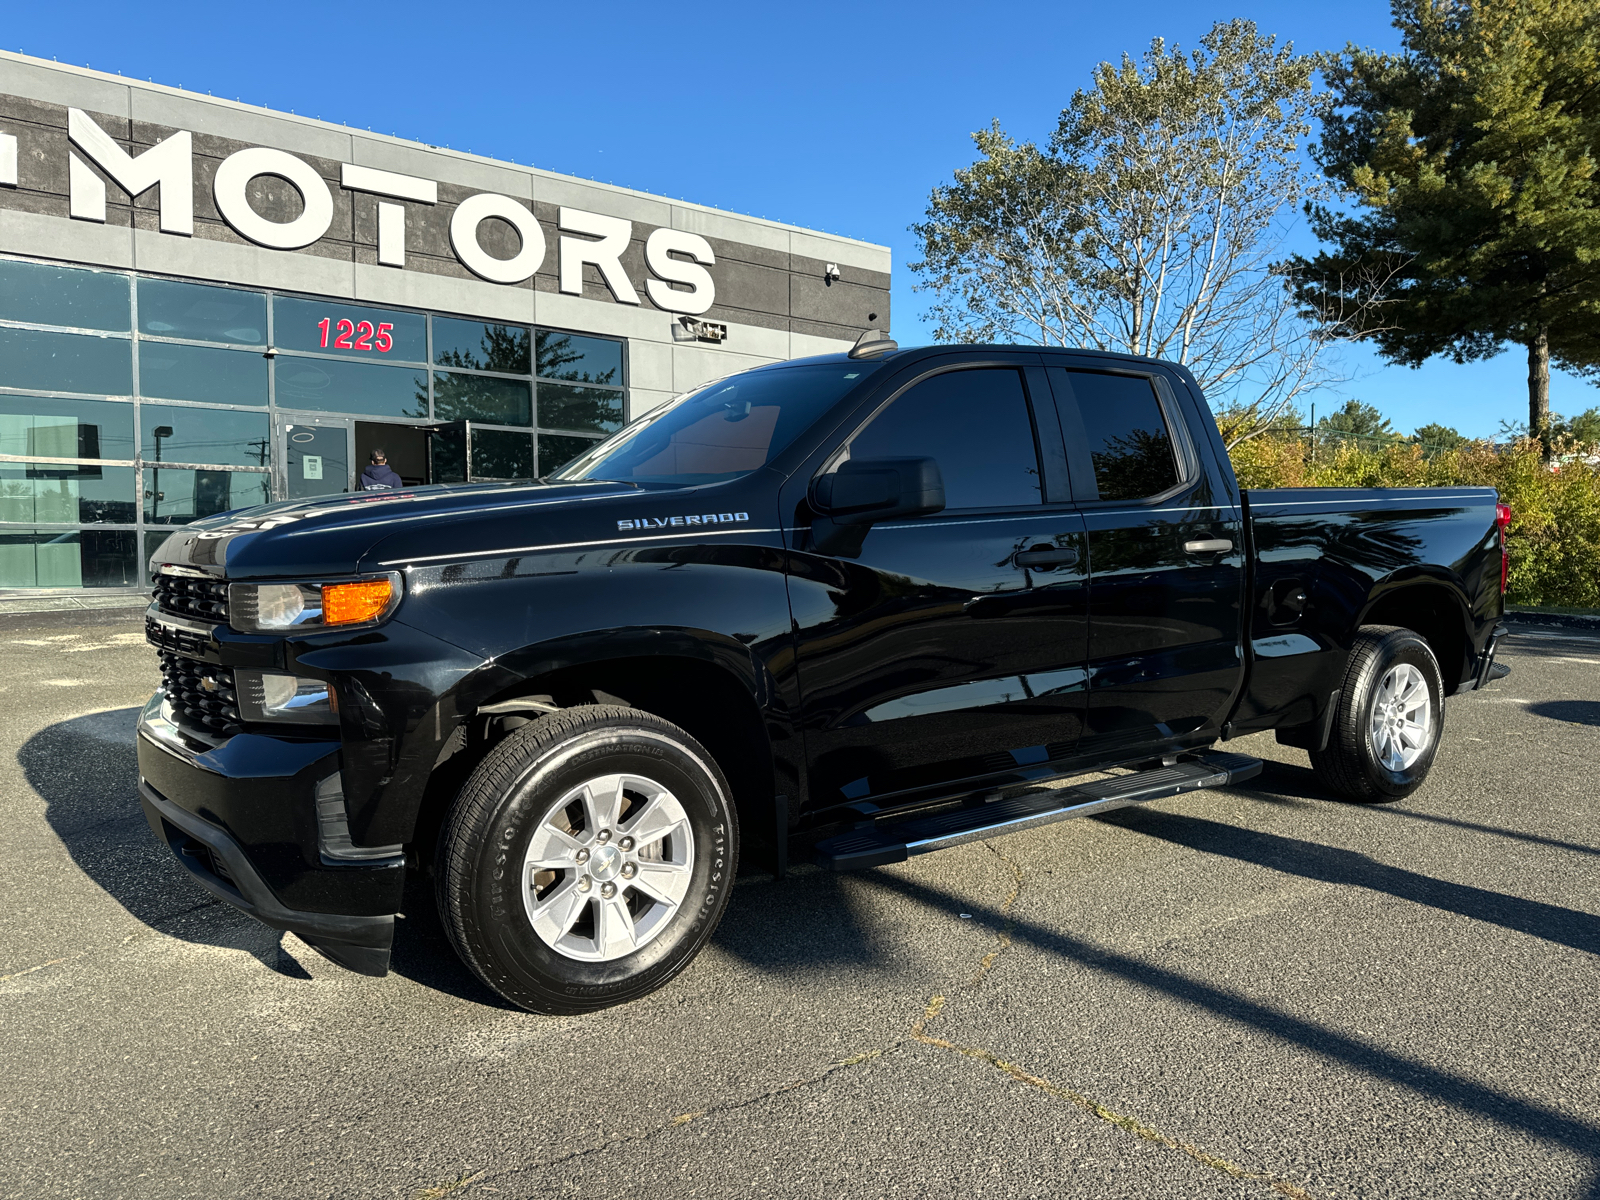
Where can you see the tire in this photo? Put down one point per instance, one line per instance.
(1372, 763)
(590, 800)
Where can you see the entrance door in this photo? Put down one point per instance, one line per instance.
(315, 457)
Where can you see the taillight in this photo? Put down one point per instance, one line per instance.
(1502, 520)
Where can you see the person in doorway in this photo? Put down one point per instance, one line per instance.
(379, 476)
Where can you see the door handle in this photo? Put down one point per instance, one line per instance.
(1047, 556)
(1208, 546)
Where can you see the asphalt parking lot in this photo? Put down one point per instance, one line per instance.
(1255, 992)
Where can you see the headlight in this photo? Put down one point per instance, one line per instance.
(275, 607)
(274, 696)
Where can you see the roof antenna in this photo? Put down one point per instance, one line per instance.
(873, 343)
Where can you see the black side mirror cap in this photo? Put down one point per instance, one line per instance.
(866, 490)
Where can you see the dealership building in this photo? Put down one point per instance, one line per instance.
(206, 305)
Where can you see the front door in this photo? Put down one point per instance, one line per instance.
(1167, 553)
(952, 646)
(315, 457)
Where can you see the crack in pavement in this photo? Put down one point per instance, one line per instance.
(1090, 1106)
(918, 1033)
(153, 928)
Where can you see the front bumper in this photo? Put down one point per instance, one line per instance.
(241, 816)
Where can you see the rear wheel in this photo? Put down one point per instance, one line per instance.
(587, 860)
(1390, 716)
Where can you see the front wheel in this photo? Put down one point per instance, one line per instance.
(1389, 719)
(587, 860)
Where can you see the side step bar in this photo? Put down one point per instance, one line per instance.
(873, 847)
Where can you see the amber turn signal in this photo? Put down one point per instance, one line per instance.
(349, 603)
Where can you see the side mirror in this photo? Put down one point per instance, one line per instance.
(866, 490)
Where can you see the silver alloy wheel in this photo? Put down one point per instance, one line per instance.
(1402, 717)
(608, 867)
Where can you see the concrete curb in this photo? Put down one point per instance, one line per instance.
(1537, 616)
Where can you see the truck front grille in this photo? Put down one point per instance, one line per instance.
(202, 696)
(191, 596)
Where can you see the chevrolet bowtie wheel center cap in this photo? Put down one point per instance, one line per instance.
(605, 862)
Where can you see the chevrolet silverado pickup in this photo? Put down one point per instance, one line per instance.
(850, 609)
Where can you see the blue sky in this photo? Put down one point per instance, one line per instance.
(832, 116)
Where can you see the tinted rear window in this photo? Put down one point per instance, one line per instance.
(724, 430)
(1128, 438)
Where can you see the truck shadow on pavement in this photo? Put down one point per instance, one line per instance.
(86, 770)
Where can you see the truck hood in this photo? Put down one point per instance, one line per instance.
(333, 534)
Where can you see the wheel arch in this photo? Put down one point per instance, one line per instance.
(708, 684)
(1434, 608)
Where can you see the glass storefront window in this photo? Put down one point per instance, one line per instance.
(52, 428)
(563, 406)
(202, 435)
(189, 458)
(345, 329)
(501, 454)
(366, 389)
(480, 347)
(481, 398)
(65, 362)
(200, 373)
(69, 558)
(578, 359)
(44, 492)
(205, 314)
(174, 496)
(44, 294)
(556, 451)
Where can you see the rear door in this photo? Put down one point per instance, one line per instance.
(1167, 557)
(936, 654)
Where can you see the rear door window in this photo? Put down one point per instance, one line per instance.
(975, 424)
(1128, 439)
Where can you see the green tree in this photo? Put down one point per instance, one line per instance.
(1469, 161)
(1434, 436)
(1148, 224)
(1357, 422)
(1583, 428)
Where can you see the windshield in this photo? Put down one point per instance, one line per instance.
(725, 429)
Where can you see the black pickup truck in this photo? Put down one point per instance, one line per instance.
(852, 608)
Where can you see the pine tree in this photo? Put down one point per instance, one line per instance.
(1471, 162)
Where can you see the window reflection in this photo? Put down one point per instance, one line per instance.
(562, 406)
(52, 428)
(206, 314)
(174, 496)
(366, 389)
(578, 359)
(556, 451)
(479, 347)
(1128, 439)
(92, 495)
(203, 374)
(481, 398)
(72, 558)
(501, 454)
(66, 362)
(202, 435)
(44, 294)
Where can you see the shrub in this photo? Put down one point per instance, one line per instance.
(1555, 514)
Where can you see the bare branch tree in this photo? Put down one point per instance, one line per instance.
(1148, 225)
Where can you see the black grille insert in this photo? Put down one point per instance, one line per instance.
(191, 596)
(202, 696)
